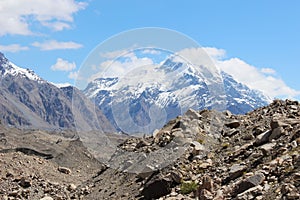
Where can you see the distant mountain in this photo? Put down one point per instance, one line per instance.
(28, 101)
(147, 98)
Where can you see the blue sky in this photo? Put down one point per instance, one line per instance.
(53, 37)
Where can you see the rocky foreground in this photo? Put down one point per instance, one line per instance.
(200, 155)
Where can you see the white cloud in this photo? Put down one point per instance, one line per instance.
(55, 45)
(257, 79)
(63, 65)
(151, 51)
(215, 53)
(57, 26)
(17, 16)
(118, 68)
(268, 71)
(113, 54)
(74, 75)
(13, 48)
(262, 79)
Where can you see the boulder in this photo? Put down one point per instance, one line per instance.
(157, 188)
(192, 114)
(64, 170)
(236, 171)
(267, 148)
(262, 138)
(250, 182)
(233, 124)
(276, 133)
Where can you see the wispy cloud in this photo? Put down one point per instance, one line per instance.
(13, 48)
(63, 65)
(268, 71)
(74, 75)
(262, 79)
(55, 45)
(17, 17)
(120, 66)
(151, 51)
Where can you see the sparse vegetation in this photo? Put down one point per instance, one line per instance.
(201, 141)
(188, 187)
(225, 145)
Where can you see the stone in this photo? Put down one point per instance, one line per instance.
(46, 198)
(207, 183)
(192, 114)
(142, 143)
(197, 148)
(156, 188)
(14, 193)
(176, 177)
(293, 195)
(232, 132)
(72, 187)
(205, 195)
(262, 138)
(276, 133)
(233, 124)
(267, 148)
(25, 183)
(275, 123)
(250, 193)
(236, 171)
(248, 137)
(250, 182)
(64, 170)
(219, 195)
(147, 171)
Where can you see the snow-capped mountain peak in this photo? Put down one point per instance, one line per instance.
(150, 95)
(9, 68)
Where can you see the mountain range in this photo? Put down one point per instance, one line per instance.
(140, 102)
(148, 97)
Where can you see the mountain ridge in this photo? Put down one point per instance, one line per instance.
(171, 88)
(28, 101)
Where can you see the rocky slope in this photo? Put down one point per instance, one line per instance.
(202, 154)
(28, 101)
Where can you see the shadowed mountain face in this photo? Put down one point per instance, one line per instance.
(148, 97)
(28, 101)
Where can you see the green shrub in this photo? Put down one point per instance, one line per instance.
(201, 141)
(188, 187)
(225, 145)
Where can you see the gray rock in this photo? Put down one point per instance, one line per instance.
(71, 187)
(233, 124)
(147, 171)
(262, 138)
(176, 177)
(250, 182)
(193, 114)
(197, 148)
(25, 182)
(64, 170)
(276, 133)
(267, 148)
(157, 188)
(205, 195)
(250, 193)
(46, 198)
(236, 171)
(207, 184)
